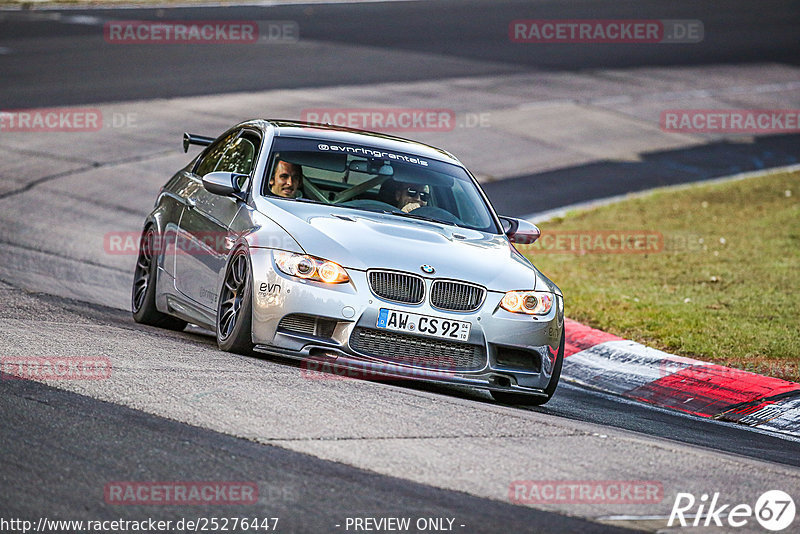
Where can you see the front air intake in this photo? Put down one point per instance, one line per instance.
(452, 295)
(308, 325)
(398, 287)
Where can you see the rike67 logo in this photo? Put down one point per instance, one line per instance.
(774, 510)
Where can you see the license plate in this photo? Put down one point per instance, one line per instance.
(425, 325)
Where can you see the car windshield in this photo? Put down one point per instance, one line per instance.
(372, 179)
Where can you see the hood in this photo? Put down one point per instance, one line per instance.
(364, 240)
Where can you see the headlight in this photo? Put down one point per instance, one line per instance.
(310, 268)
(529, 302)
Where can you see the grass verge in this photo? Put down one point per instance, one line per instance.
(711, 272)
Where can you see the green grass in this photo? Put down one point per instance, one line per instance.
(725, 288)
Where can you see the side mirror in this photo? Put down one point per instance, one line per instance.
(519, 231)
(223, 183)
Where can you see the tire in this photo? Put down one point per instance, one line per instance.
(524, 399)
(235, 308)
(143, 292)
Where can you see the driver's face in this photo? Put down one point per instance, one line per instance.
(408, 194)
(286, 180)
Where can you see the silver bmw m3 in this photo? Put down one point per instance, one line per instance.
(360, 250)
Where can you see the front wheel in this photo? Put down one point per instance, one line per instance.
(503, 397)
(143, 293)
(235, 308)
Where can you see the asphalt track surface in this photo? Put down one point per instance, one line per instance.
(65, 464)
(60, 447)
(67, 62)
(59, 64)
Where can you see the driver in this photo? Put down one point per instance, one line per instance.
(286, 180)
(409, 197)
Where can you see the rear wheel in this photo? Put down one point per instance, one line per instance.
(235, 308)
(524, 399)
(143, 293)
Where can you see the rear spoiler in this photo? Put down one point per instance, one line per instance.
(194, 139)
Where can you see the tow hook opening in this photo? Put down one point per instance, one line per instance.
(500, 380)
(319, 353)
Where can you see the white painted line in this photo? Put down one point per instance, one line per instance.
(548, 103)
(544, 216)
(45, 5)
(664, 96)
(650, 517)
(84, 20)
(611, 100)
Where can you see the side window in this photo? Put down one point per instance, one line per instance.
(239, 157)
(210, 160)
(236, 153)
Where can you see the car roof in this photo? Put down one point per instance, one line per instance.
(340, 134)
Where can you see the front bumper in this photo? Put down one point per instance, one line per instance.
(506, 351)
